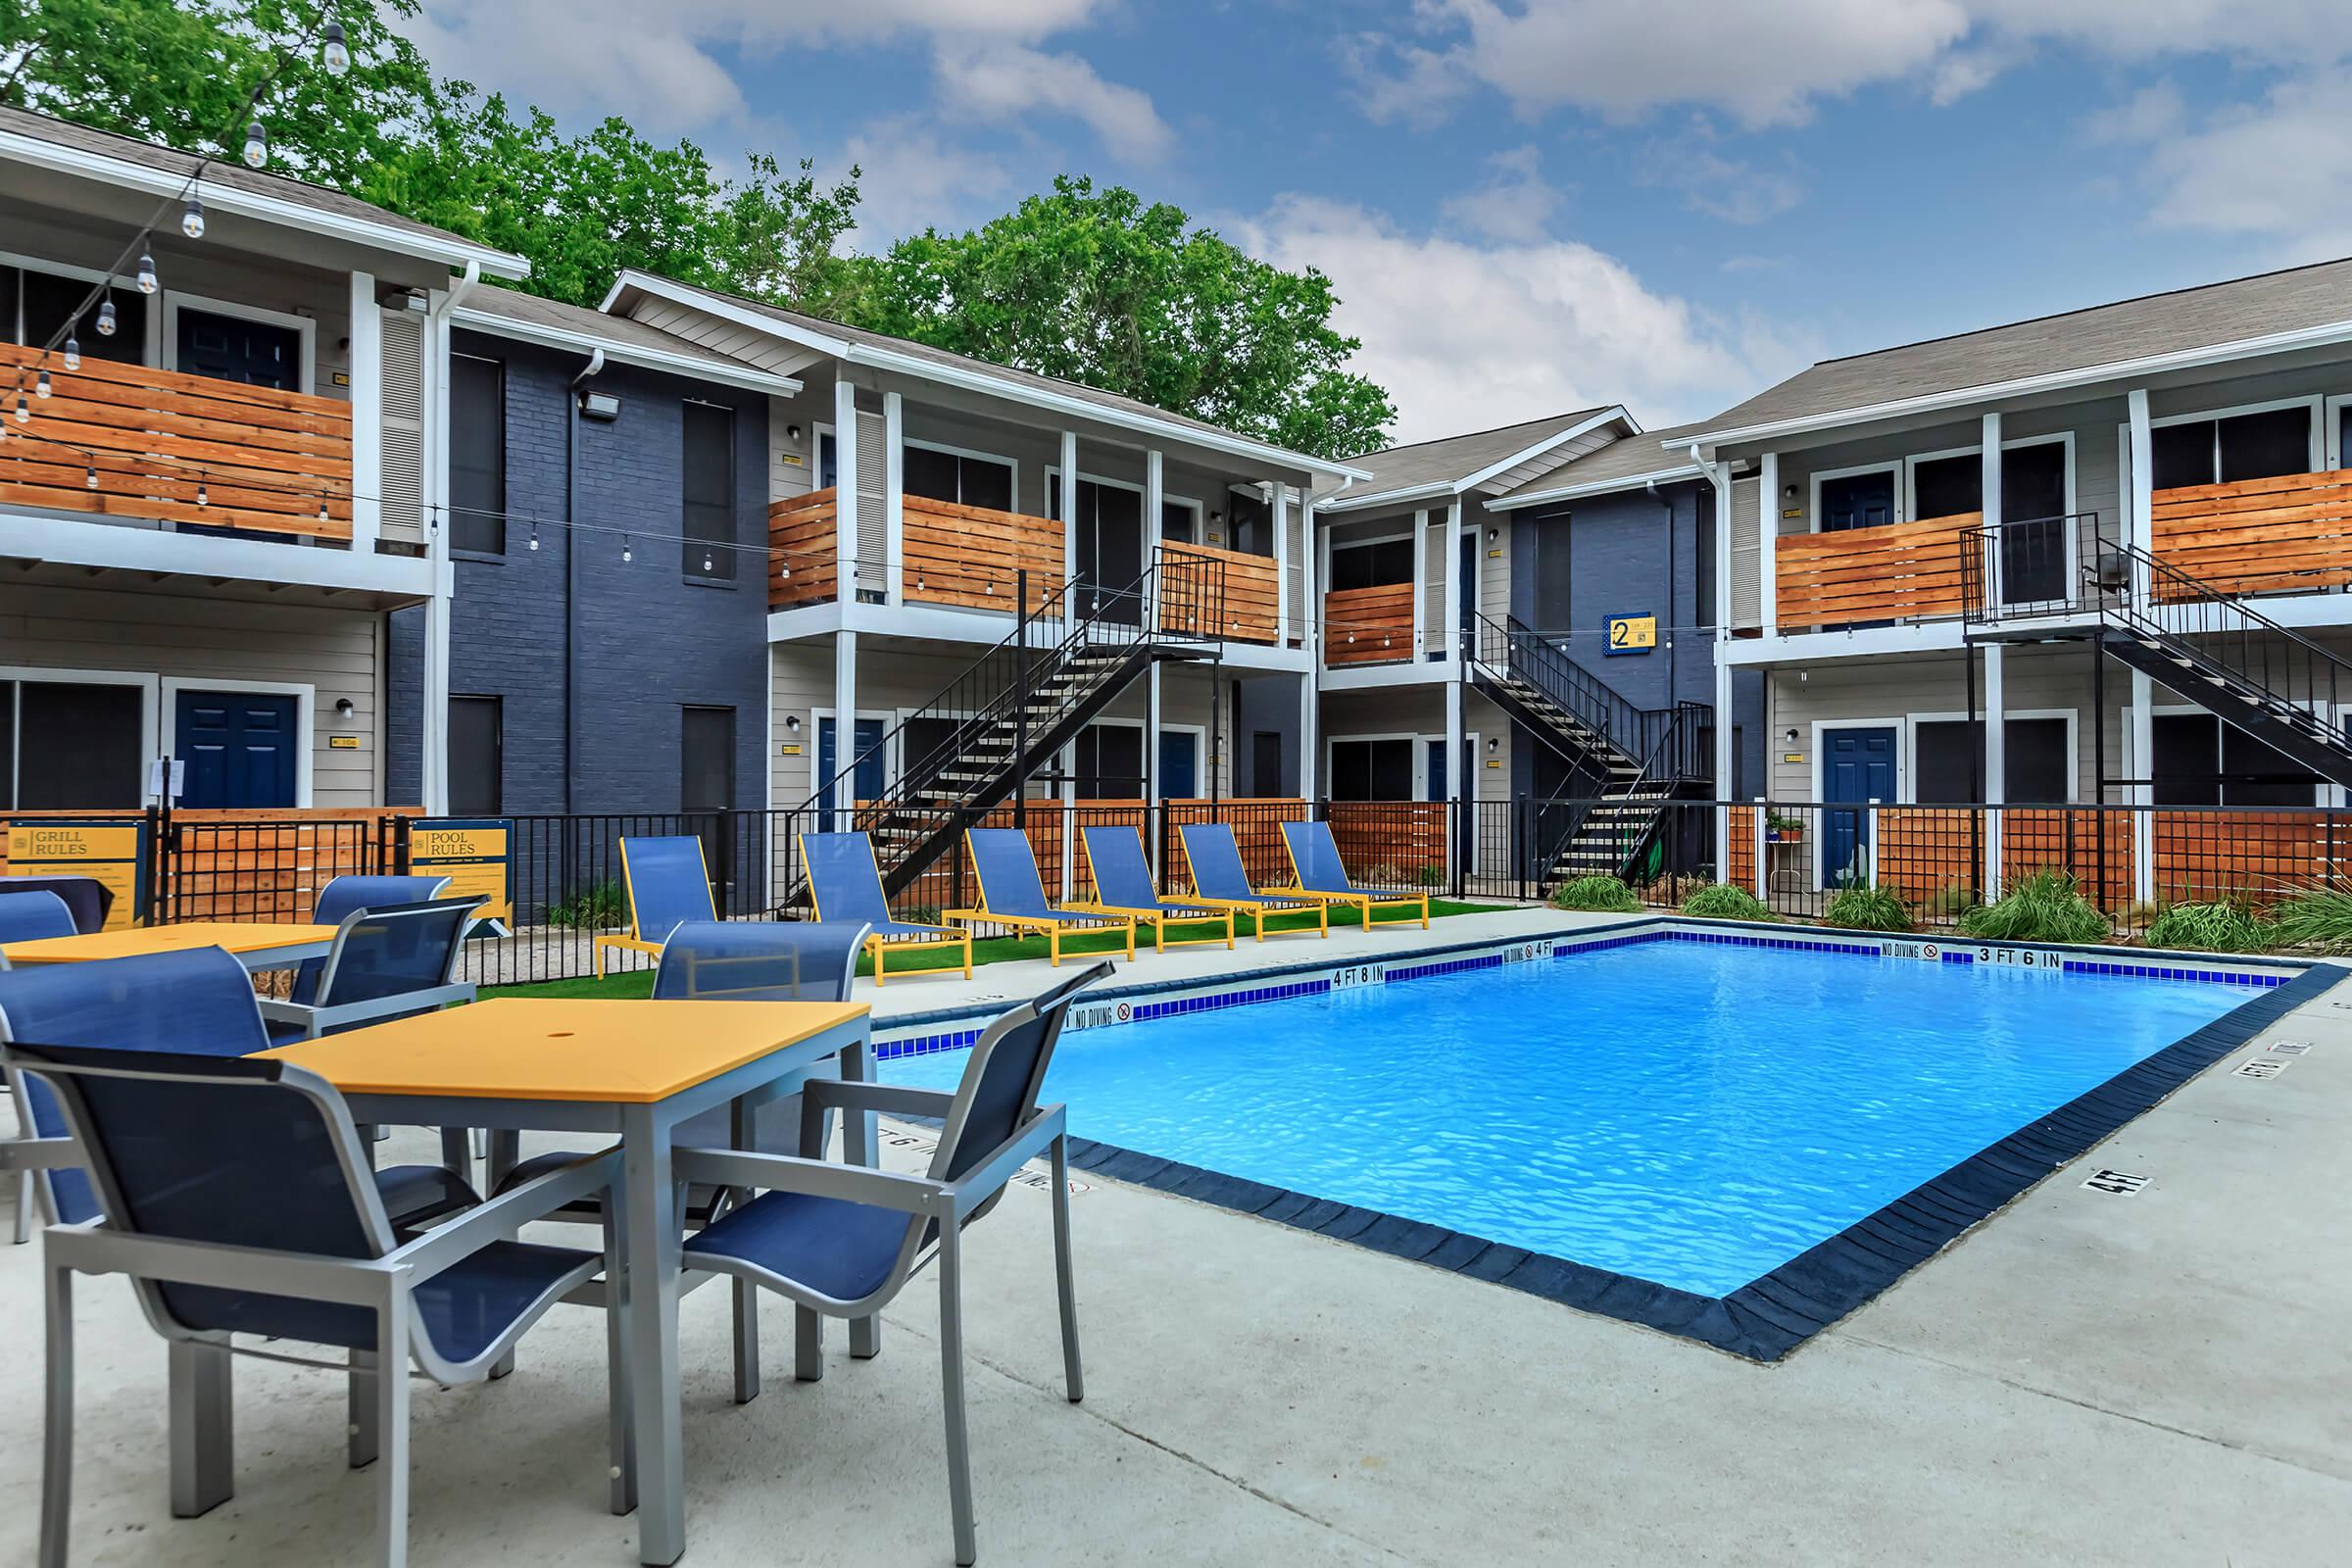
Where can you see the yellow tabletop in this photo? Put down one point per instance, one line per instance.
(238, 937)
(584, 1049)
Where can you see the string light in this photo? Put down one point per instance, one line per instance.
(147, 282)
(23, 408)
(191, 222)
(106, 319)
(322, 508)
(257, 144)
(89, 477)
(706, 566)
(628, 555)
(203, 496)
(333, 52)
(40, 388)
(73, 348)
(534, 533)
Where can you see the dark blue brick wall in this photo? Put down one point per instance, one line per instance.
(647, 639)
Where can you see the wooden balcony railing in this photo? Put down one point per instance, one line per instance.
(262, 461)
(1252, 595)
(971, 556)
(1900, 571)
(803, 549)
(1368, 625)
(2291, 533)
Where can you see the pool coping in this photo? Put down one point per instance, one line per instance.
(1776, 1312)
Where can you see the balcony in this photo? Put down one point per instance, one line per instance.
(1368, 625)
(126, 442)
(1239, 597)
(2291, 533)
(1861, 577)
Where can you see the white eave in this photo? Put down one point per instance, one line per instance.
(624, 352)
(973, 377)
(447, 249)
(1595, 487)
(1450, 488)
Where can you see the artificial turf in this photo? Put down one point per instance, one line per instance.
(995, 950)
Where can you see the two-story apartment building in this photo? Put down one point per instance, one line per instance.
(220, 483)
(2098, 557)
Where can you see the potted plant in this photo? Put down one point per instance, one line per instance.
(1778, 829)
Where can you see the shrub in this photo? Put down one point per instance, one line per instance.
(1433, 876)
(1950, 903)
(2211, 927)
(2316, 917)
(2042, 908)
(1723, 901)
(1602, 895)
(590, 908)
(1876, 907)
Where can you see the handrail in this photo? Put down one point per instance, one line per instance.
(1519, 650)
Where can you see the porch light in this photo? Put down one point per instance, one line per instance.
(40, 388)
(106, 319)
(147, 282)
(333, 52)
(256, 145)
(191, 222)
(72, 352)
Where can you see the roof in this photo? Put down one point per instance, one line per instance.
(1621, 465)
(906, 354)
(2180, 321)
(515, 313)
(1452, 462)
(228, 184)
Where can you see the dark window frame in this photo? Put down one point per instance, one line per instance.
(477, 526)
(1364, 762)
(707, 520)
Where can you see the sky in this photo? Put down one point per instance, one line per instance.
(1533, 205)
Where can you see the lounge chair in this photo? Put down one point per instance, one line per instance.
(1114, 856)
(842, 1241)
(239, 1201)
(845, 883)
(1011, 893)
(1315, 860)
(666, 883)
(1220, 878)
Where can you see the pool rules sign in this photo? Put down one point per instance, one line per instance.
(473, 853)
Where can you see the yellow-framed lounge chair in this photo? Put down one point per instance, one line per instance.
(845, 883)
(1012, 894)
(1114, 859)
(664, 883)
(1315, 862)
(1220, 879)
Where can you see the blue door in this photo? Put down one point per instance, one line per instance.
(871, 777)
(1179, 765)
(1856, 765)
(238, 746)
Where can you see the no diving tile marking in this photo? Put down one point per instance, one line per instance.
(2122, 1184)
(1037, 1175)
(2263, 1067)
(2289, 1048)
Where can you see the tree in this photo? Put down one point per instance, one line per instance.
(1096, 287)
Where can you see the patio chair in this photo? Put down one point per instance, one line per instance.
(1012, 894)
(33, 916)
(842, 1241)
(199, 1002)
(845, 883)
(1220, 878)
(1114, 859)
(1315, 861)
(346, 896)
(239, 1201)
(86, 896)
(666, 883)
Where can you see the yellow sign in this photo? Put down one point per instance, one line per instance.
(342, 743)
(109, 852)
(1633, 634)
(791, 749)
(474, 856)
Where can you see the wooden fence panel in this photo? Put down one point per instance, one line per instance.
(1901, 572)
(2290, 533)
(803, 549)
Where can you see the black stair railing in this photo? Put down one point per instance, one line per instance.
(1679, 738)
(1512, 648)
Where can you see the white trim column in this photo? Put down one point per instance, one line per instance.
(1282, 565)
(894, 500)
(1724, 759)
(1151, 778)
(2141, 755)
(1996, 762)
(366, 414)
(1768, 546)
(2139, 499)
(433, 776)
(1311, 644)
(1456, 761)
(844, 503)
(845, 714)
(1154, 498)
(1069, 506)
(1066, 761)
(1989, 506)
(1420, 585)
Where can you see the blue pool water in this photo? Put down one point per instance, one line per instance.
(1688, 1113)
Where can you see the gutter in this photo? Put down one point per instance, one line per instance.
(493, 325)
(571, 568)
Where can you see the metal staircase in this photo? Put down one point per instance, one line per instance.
(1002, 720)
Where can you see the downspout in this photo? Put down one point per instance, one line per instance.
(572, 564)
(1674, 686)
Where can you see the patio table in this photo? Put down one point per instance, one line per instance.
(257, 945)
(634, 1068)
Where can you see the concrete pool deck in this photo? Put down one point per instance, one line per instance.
(2086, 1378)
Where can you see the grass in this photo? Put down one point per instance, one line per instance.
(1721, 901)
(2042, 908)
(636, 983)
(2221, 927)
(1600, 895)
(1877, 908)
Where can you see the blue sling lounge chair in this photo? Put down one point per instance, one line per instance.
(845, 883)
(1220, 878)
(1114, 856)
(1012, 894)
(1315, 858)
(666, 884)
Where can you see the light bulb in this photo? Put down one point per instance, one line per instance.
(191, 222)
(626, 554)
(706, 567)
(40, 388)
(322, 508)
(256, 145)
(204, 497)
(89, 477)
(534, 536)
(147, 282)
(72, 352)
(106, 319)
(333, 52)
(784, 570)
(24, 410)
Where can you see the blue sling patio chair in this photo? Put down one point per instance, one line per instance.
(1012, 894)
(842, 1241)
(1322, 874)
(666, 883)
(237, 1198)
(346, 896)
(1220, 878)
(197, 1002)
(87, 898)
(1122, 877)
(845, 883)
(31, 914)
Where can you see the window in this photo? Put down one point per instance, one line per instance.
(71, 745)
(2223, 451)
(957, 477)
(1372, 770)
(1250, 523)
(1110, 761)
(34, 304)
(1948, 487)
(477, 455)
(477, 769)
(710, 484)
(1180, 521)
(2038, 770)
(2200, 761)
(1265, 763)
(1372, 565)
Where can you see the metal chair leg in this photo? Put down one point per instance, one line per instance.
(363, 1381)
(951, 1387)
(23, 1208)
(807, 1345)
(392, 1431)
(1065, 1282)
(621, 1435)
(746, 1341)
(203, 1434)
(57, 1433)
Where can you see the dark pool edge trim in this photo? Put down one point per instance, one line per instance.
(1772, 1314)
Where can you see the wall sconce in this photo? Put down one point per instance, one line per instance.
(792, 723)
(1494, 534)
(1494, 742)
(1790, 736)
(343, 708)
(1788, 491)
(791, 432)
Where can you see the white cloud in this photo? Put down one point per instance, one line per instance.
(1730, 188)
(997, 82)
(1514, 202)
(1467, 335)
(913, 179)
(2152, 113)
(2279, 168)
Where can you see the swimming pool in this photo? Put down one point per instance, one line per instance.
(1688, 1113)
